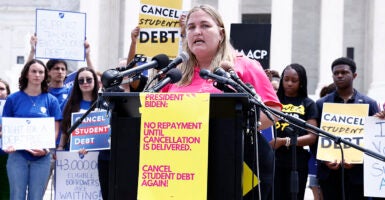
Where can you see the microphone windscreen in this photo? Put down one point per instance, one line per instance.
(162, 61)
(220, 71)
(110, 78)
(174, 74)
(204, 73)
(226, 65)
(184, 56)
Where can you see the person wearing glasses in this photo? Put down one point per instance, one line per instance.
(28, 170)
(84, 94)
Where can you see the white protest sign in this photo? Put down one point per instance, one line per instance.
(374, 169)
(77, 178)
(2, 102)
(28, 133)
(60, 34)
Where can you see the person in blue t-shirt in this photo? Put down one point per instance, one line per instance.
(57, 71)
(59, 83)
(84, 94)
(28, 169)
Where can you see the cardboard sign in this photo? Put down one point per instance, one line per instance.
(60, 34)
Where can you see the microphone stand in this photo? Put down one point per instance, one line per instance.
(338, 140)
(251, 131)
(80, 119)
(294, 173)
(296, 121)
(303, 124)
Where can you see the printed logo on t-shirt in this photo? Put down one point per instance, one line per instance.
(43, 109)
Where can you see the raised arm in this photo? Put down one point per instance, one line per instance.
(134, 38)
(88, 56)
(33, 42)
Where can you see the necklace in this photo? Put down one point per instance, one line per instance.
(32, 98)
(32, 101)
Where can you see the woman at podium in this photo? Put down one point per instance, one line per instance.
(207, 45)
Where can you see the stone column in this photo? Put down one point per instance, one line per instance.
(376, 49)
(230, 14)
(331, 41)
(92, 11)
(281, 34)
(109, 37)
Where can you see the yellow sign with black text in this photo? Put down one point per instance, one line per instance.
(159, 27)
(345, 121)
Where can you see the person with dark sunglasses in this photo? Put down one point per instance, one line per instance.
(84, 94)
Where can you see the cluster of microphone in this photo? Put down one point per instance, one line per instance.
(229, 81)
(166, 69)
(225, 78)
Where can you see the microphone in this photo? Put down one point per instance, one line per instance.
(221, 72)
(130, 79)
(206, 74)
(136, 59)
(240, 86)
(128, 66)
(172, 76)
(183, 57)
(113, 77)
(258, 101)
(249, 88)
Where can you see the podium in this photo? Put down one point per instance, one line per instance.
(226, 143)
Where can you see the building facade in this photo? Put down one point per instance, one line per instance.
(310, 32)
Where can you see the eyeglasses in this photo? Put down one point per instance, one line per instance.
(85, 80)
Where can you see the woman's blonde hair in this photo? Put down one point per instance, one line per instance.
(225, 51)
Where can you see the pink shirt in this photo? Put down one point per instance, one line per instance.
(249, 71)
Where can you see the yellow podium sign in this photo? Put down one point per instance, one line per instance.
(173, 146)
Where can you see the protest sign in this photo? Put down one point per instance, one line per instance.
(345, 121)
(60, 34)
(93, 133)
(159, 27)
(173, 146)
(2, 102)
(374, 169)
(28, 133)
(77, 178)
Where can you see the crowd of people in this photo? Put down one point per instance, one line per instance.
(42, 93)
